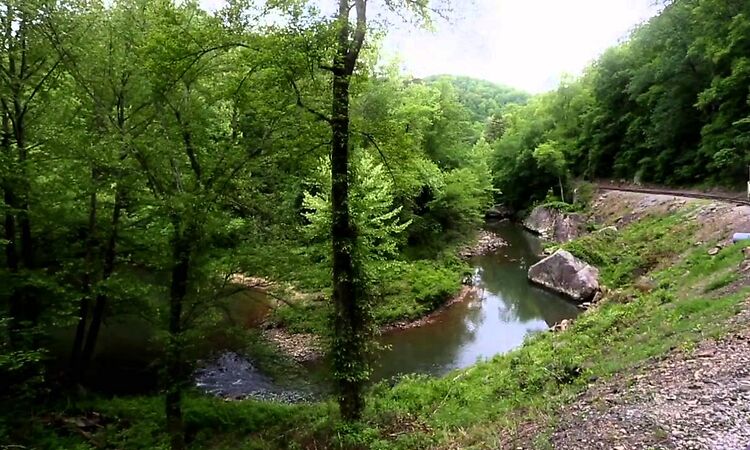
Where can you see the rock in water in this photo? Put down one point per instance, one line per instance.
(499, 212)
(555, 225)
(564, 273)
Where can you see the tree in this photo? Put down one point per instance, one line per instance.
(550, 159)
(26, 70)
(352, 316)
(352, 321)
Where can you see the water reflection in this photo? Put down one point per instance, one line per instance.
(506, 309)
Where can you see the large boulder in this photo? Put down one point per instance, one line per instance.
(555, 225)
(565, 274)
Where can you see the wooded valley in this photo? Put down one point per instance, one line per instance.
(157, 158)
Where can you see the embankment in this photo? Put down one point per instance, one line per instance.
(675, 288)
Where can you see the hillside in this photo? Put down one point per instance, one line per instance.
(483, 98)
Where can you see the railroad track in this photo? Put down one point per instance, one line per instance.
(736, 199)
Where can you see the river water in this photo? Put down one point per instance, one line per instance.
(505, 310)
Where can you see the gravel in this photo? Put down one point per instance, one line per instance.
(233, 377)
(698, 400)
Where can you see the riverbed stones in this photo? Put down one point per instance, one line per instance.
(567, 275)
(302, 347)
(487, 243)
(555, 225)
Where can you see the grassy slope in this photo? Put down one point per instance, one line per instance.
(511, 396)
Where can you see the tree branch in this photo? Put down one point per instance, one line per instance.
(359, 35)
(316, 113)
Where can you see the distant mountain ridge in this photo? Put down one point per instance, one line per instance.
(483, 98)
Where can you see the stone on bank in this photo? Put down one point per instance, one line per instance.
(565, 274)
(555, 225)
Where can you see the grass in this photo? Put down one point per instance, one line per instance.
(403, 291)
(508, 401)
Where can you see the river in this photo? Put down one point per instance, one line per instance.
(505, 309)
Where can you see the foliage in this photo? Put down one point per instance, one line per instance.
(371, 199)
(668, 106)
(483, 99)
(149, 151)
(402, 291)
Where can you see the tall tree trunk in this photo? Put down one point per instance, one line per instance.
(88, 276)
(11, 250)
(181, 252)
(350, 309)
(110, 254)
(25, 306)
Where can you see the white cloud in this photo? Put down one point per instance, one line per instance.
(522, 43)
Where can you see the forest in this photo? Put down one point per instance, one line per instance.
(154, 157)
(669, 106)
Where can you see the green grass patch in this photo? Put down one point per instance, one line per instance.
(402, 290)
(564, 207)
(637, 249)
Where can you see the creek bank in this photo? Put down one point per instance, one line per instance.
(306, 347)
(565, 274)
(466, 293)
(552, 224)
(301, 347)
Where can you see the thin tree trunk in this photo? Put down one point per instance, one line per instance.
(11, 250)
(181, 248)
(85, 302)
(562, 192)
(108, 268)
(25, 305)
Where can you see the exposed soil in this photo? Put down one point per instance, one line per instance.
(717, 220)
(688, 400)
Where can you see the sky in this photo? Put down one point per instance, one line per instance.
(527, 44)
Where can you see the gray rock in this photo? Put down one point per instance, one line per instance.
(564, 273)
(555, 225)
(499, 212)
